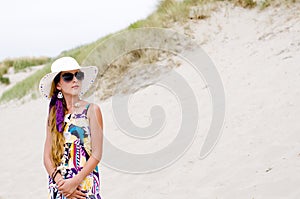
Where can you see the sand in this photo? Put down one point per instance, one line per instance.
(258, 154)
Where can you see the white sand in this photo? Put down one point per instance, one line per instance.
(258, 155)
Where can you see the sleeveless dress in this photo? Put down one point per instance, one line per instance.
(77, 150)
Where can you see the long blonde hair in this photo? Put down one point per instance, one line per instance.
(58, 140)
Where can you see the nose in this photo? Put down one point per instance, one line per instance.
(74, 79)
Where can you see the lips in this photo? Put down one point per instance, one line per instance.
(76, 86)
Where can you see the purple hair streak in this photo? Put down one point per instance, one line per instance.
(59, 112)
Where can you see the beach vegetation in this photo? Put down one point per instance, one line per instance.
(24, 62)
(3, 68)
(26, 86)
(4, 80)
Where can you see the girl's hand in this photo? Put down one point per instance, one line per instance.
(68, 186)
(78, 194)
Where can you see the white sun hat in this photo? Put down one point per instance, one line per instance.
(66, 64)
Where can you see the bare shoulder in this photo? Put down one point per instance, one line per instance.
(95, 117)
(94, 111)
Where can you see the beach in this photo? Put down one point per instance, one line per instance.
(257, 156)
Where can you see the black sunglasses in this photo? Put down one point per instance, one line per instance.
(67, 77)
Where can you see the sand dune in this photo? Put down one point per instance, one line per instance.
(17, 77)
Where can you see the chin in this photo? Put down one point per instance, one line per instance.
(75, 93)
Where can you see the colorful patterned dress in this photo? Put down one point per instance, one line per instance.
(77, 152)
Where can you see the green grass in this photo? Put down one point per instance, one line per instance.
(19, 64)
(4, 80)
(3, 69)
(24, 62)
(167, 13)
(262, 4)
(265, 4)
(81, 52)
(30, 84)
(245, 3)
(170, 11)
(26, 86)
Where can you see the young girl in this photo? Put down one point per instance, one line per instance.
(73, 146)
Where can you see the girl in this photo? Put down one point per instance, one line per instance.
(73, 146)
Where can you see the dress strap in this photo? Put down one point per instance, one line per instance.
(86, 109)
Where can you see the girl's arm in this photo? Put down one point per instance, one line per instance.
(47, 151)
(96, 130)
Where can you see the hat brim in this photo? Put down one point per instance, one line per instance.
(90, 74)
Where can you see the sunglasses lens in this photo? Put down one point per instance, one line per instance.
(79, 75)
(67, 77)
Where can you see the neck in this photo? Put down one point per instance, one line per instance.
(71, 100)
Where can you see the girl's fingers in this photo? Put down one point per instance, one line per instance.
(60, 187)
(60, 182)
(78, 195)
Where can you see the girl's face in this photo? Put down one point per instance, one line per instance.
(69, 84)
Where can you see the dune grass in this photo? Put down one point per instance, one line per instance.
(167, 13)
(25, 87)
(19, 64)
(29, 86)
(171, 11)
(4, 80)
(23, 62)
(3, 69)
